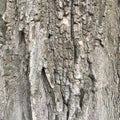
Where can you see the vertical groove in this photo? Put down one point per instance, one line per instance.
(72, 31)
(24, 85)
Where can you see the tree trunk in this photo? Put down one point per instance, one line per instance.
(59, 60)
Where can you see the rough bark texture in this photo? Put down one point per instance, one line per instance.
(59, 60)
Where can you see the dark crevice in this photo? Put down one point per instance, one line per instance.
(28, 85)
(49, 94)
(65, 103)
(56, 77)
(72, 32)
(82, 93)
(119, 80)
(49, 36)
(118, 2)
(100, 42)
(16, 9)
(23, 82)
(75, 53)
(3, 27)
(47, 86)
(56, 117)
(21, 36)
(2, 41)
(68, 112)
(91, 76)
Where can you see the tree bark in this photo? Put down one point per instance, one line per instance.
(59, 60)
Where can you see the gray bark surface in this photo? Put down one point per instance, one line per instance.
(59, 60)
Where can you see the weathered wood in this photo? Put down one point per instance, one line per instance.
(59, 60)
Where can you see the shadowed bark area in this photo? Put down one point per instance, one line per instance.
(59, 60)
